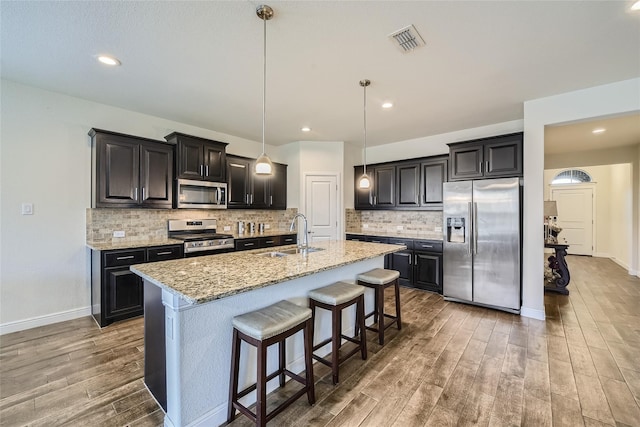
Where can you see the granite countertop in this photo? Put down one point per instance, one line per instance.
(206, 278)
(433, 235)
(132, 244)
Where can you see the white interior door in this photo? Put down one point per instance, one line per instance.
(575, 217)
(321, 206)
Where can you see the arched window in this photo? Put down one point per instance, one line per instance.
(571, 176)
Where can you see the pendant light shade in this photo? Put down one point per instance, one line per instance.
(364, 182)
(264, 166)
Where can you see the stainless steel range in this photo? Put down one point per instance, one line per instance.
(200, 237)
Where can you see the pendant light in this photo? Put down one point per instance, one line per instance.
(263, 163)
(364, 181)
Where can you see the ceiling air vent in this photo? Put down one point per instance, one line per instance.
(407, 38)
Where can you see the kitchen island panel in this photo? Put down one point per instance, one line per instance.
(198, 342)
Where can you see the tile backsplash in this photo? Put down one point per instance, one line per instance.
(144, 224)
(412, 222)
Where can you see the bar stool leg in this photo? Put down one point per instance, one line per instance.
(233, 389)
(335, 343)
(380, 310)
(308, 361)
(398, 317)
(261, 387)
(281, 357)
(361, 327)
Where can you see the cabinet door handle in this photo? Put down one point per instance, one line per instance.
(143, 198)
(481, 169)
(269, 241)
(410, 259)
(251, 198)
(249, 244)
(201, 170)
(206, 168)
(486, 166)
(427, 246)
(164, 253)
(270, 200)
(135, 195)
(246, 198)
(120, 258)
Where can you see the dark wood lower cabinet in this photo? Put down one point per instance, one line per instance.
(420, 265)
(116, 292)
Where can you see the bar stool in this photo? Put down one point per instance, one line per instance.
(380, 279)
(262, 328)
(335, 298)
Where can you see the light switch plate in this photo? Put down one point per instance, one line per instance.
(27, 209)
(438, 229)
(365, 225)
(267, 226)
(399, 227)
(119, 233)
(227, 228)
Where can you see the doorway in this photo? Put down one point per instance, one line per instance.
(576, 216)
(322, 206)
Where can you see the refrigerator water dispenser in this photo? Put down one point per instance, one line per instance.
(455, 230)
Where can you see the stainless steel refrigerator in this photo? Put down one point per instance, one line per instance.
(481, 251)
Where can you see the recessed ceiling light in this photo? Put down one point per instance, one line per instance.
(109, 60)
(305, 129)
(389, 104)
(636, 5)
(598, 130)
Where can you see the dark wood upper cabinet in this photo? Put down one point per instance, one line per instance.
(495, 157)
(199, 158)
(408, 185)
(385, 188)
(246, 190)
(130, 171)
(434, 172)
(414, 184)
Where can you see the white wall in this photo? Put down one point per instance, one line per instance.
(46, 160)
(613, 191)
(614, 98)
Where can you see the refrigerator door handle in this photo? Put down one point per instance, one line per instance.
(470, 227)
(475, 229)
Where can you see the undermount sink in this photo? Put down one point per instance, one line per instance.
(292, 251)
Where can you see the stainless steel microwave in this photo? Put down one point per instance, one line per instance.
(193, 194)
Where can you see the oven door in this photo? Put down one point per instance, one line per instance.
(201, 194)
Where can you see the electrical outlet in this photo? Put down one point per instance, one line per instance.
(438, 229)
(27, 209)
(119, 233)
(365, 225)
(267, 226)
(227, 228)
(399, 227)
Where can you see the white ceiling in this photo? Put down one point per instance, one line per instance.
(200, 62)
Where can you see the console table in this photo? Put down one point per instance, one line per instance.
(559, 265)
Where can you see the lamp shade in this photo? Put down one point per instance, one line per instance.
(550, 208)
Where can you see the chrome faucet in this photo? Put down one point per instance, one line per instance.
(305, 242)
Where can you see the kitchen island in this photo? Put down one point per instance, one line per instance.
(189, 304)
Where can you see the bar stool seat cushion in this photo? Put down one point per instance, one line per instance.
(272, 320)
(337, 293)
(379, 276)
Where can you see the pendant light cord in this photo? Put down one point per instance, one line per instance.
(365, 129)
(264, 79)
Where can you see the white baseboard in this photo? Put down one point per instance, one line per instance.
(634, 273)
(601, 255)
(47, 319)
(532, 313)
(620, 263)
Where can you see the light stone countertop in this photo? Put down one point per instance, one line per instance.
(125, 243)
(206, 278)
(435, 235)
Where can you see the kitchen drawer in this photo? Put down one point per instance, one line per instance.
(289, 239)
(126, 257)
(376, 239)
(428, 245)
(161, 253)
(246, 244)
(355, 237)
(267, 242)
(397, 241)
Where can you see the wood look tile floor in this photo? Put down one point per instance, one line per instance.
(452, 364)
